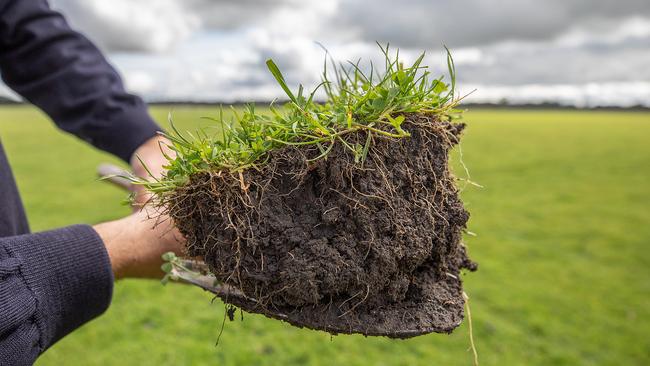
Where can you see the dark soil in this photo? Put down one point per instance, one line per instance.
(333, 244)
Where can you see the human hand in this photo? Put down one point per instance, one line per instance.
(151, 154)
(136, 243)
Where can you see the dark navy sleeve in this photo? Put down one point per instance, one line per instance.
(50, 284)
(64, 74)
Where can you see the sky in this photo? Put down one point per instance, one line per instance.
(584, 53)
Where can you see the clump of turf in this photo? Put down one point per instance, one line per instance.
(342, 216)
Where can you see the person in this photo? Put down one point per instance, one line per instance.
(54, 281)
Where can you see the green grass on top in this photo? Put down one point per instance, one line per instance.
(374, 102)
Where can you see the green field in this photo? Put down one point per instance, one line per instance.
(563, 225)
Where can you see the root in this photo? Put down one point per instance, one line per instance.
(357, 304)
(471, 333)
(243, 185)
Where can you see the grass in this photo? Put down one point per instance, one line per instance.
(373, 103)
(562, 228)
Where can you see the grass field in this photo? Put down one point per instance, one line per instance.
(563, 228)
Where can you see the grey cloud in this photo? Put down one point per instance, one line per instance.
(427, 23)
(551, 64)
(229, 14)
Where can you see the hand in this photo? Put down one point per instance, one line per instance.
(136, 243)
(151, 153)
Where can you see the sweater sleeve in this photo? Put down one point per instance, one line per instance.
(50, 284)
(64, 74)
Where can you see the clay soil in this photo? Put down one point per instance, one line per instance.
(338, 245)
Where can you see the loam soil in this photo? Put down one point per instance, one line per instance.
(333, 244)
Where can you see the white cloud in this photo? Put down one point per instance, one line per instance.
(608, 94)
(140, 82)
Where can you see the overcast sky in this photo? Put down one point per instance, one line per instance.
(580, 52)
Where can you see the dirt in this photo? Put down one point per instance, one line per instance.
(339, 245)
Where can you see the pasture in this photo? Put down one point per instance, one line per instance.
(562, 224)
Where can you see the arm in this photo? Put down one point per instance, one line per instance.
(53, 282)
(65, 75)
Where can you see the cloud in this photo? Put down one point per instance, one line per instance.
(535, 75)
(426, 23)
(159, 25)
(126, 25)
(234, 14)
(154, 25)
(608, 94)
(620, 55)
(215, 50)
